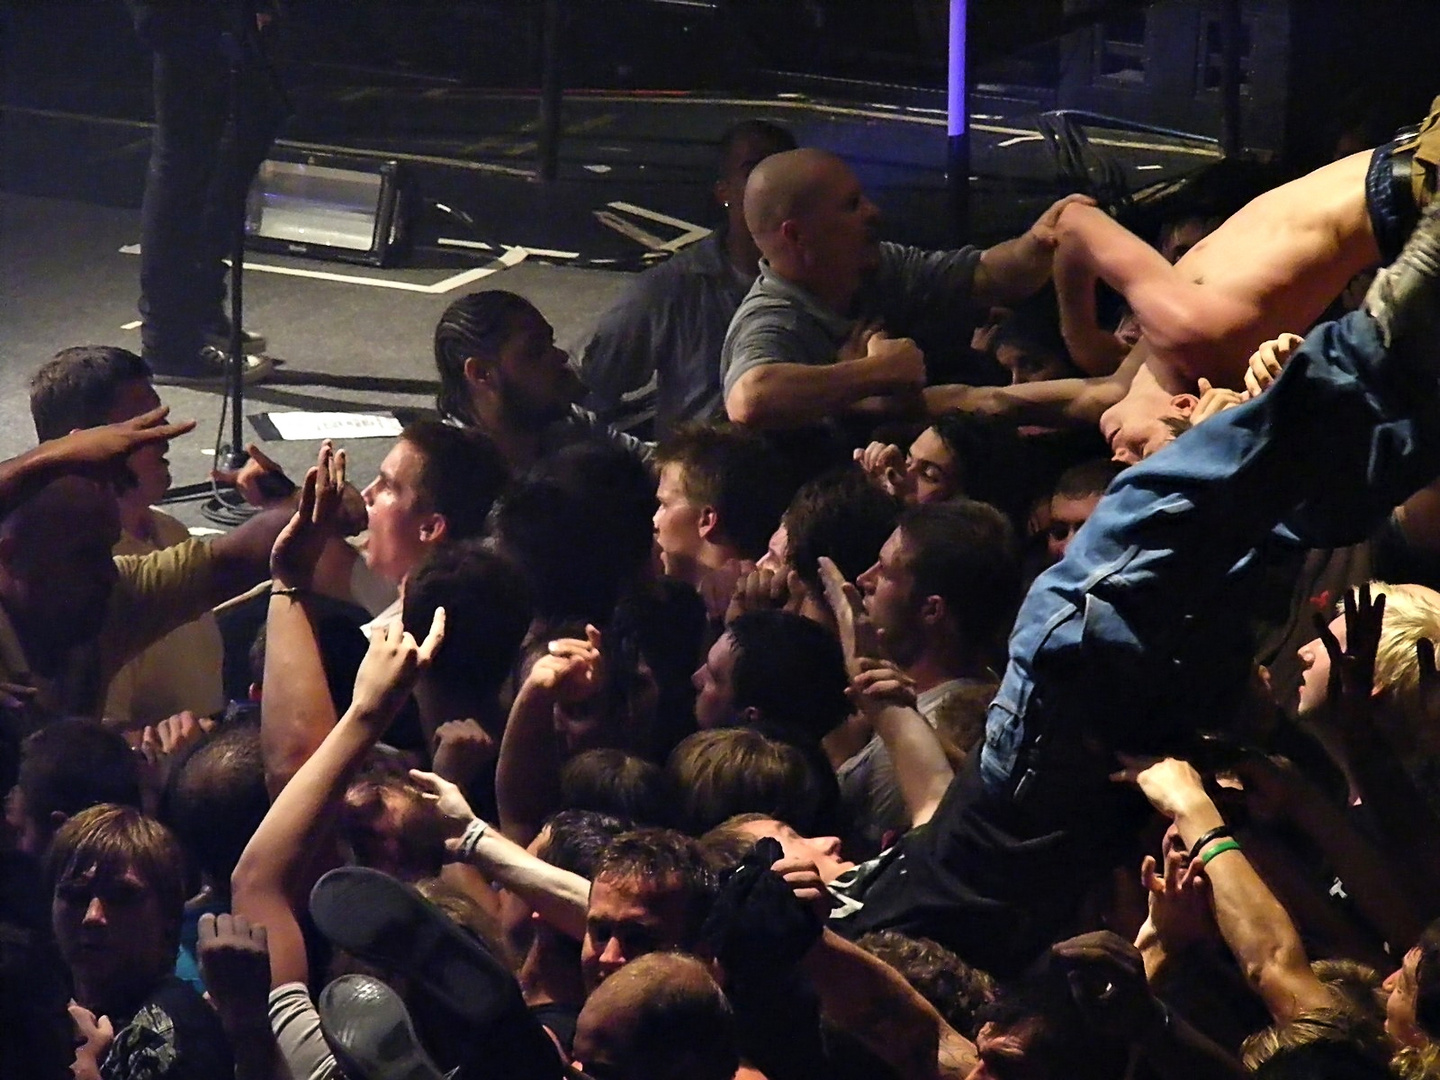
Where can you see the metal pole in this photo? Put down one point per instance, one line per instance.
(550, 92)
(957, 164)
(1230, 141)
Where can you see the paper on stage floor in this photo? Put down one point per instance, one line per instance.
(326, 425)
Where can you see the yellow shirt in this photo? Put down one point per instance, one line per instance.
(155, 594)
(180, 671)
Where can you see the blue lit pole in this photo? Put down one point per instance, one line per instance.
(957, 163)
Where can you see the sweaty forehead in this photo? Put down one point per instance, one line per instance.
(631, 899)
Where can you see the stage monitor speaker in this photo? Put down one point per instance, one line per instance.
(327, 206)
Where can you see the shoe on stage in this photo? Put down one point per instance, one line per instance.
(210, 369)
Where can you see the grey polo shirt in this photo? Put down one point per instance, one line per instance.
(667, 328)
(913, 293)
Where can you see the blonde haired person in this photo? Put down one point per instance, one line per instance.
(1411, 615)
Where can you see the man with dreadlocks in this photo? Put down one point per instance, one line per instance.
(501, 372)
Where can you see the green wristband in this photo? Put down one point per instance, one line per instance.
(1219, 849)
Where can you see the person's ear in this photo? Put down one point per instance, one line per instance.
(708, 522)
(478, 372)
(932, 610)
(723, 195)
(1184, 404)
(57, 819)
(434, 528)
(749, 715)
(790, 231)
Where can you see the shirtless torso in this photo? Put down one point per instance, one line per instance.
(1273, 266)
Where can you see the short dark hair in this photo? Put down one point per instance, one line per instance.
(763, 131)
(477, 324)
(575, 839)
(112, 839)
(216, 798)
(840, 514)
(957, 990)
(737, 472)
(580, 528)
(74, 763)
(726, 844)
(614, 781)
(728, 771)
(1034, 326)
(1177, 425)
(462, 473)
(664, 859)
(991, 464)
(964, 552)
(488, 609)
(1087, 478)
(77, 388)
(791, 670)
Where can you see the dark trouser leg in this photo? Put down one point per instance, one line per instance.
(191, 104)
(242, 150)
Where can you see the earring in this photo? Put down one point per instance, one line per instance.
(726, 205)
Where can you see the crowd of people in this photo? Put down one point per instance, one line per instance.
(798, 683)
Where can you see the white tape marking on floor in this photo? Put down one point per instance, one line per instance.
(691, 234)
(510, 257)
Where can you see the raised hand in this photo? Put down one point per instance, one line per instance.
(858, 341)
(1179, 900)
(93, 1037)
(1215, 399)
(462, 749)
(766, 590)
(316, 521)
(234, 957)
(112, 442)
(261, 481)
(1352, 667)
(160, 747)
(1266, 363)
(391, 667)
(805, 882)
(1047, 226)
(448, 799)
(572, 670)
(884, 463)
(879, 684)
(857, 633)
(717, 586)
(171, 735)
(902, 359)
(1171, 785)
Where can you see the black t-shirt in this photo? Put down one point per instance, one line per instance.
(173, 1035)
